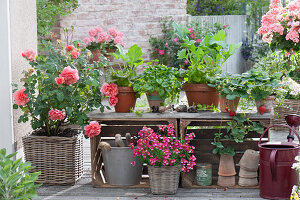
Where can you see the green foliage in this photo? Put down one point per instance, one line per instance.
(215, 7)
(75, 100)
(204, 107)
(126, 75)
(49, 10)
(170, 43)
(16, 182)
(205, 59)
(160, 78)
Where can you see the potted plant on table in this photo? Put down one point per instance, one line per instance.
(59, 90)
(119, 86)
(158, 82)
(165, 156)
(231, 88)
(206, 60)
(100, 42)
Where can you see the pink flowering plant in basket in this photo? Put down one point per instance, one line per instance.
(59, 89)
(163, 149)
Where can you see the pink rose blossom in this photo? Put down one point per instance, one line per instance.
(110, 90)
(113, 101)
(56, 114)
(75, 53)
(59, 80)
(175, 40)
(198, 41)
(190, 30)
(20, 97)
(70, 75)
(113, 32)
(186, 62)
(29, 54)
(69, 48)
(192, 36)
(161, 52)
(132, 163)
(93, 129)
(166, 44)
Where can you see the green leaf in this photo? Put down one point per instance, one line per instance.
(231, 97)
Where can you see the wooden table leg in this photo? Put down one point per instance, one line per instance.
(96, 161)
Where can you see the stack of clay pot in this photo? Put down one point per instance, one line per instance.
(248, 168)
(226, 171)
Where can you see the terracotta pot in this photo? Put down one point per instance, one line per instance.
(97, 53)
(247, 174)
(226, 166)
(232, 104)
(126, 99)
(250, 160)
(226, 181)
(201, 94)
(154, 99)
(268, 103)
(246, 182)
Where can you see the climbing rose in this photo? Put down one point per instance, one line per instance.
(20, 97)
(110, 90)
(70, 75)
(59, 80)
(161, 52)
(29, 54)
(93, 129)
(113, 32)
(56, 114)
(113, 101)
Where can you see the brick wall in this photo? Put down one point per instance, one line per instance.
(137, 19)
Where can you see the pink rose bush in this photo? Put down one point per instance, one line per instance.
(110, 90)
(93, 129)
(99, 39)
(163, 149)
(59, 89)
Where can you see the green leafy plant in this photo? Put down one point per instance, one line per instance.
(126, 75)
(204, 107)
(16, 181)
(160, 78)
(59, 89)
(205, 59)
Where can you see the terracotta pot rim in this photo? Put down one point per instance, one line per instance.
(125, 89)
(198, 87)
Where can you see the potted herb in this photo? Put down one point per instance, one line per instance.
(101, 42)
(262, 87)
(59, 90)
(206, 60)
(158, 82)
(123, 78)
(231, 88)
(165, 156)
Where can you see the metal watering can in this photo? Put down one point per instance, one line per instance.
(276, 175)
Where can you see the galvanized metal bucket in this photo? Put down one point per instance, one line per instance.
(118, 168)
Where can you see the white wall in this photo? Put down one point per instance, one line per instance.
(6, 133)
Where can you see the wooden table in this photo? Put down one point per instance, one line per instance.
(122, 123)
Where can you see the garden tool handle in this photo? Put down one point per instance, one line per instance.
(282, 125)
(272, 163)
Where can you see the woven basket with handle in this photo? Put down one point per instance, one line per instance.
(164, 180)
(59, 159)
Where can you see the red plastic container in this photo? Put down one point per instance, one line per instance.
(276, 175)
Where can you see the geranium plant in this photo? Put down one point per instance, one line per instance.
(291, 89)
(163, 149)
(160, 78)
(59, 89)
(100, 40)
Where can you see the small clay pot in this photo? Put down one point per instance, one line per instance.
(247, 174)
(250, 160)
(226, 181)
(268, 103)
(246, 182)
(226, 166)
(231, 104)
(154, 99)
(97, 53)
(126, 99)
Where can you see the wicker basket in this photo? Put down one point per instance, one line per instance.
(60, 159)
(164, 180)
(291, 106)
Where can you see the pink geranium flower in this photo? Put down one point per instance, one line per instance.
(120, 34)
(161, 52)
(118, 40)
(110, 90)
(94, 32)
(59, 80)
(20, 97)
(93, 129)
(56, 114)
(70, 75)
(29, 54)
(113, 101)
(113, 32)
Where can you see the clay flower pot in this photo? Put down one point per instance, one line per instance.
(226, 181)
(226, 166)
(268, 103)
(201, 94)
(126, 99)
(246, 182)
(97, 53)
(232, 104)
(154, 99)
(250, 160)
(247, 174)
